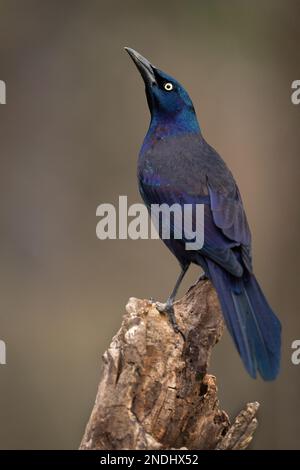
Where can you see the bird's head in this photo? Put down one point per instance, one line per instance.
(167, 99)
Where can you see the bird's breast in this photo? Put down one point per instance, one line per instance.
(176, 162)
(185, 163)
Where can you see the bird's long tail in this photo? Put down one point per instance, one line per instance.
(254, 327)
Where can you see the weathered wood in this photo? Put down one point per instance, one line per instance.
(155, 392)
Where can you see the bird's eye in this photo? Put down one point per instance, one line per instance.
(168, 86)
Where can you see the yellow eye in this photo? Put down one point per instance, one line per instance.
(168, 86)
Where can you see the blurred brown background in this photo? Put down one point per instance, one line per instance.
(70, 133)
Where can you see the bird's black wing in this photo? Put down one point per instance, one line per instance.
(227, 206)
(216, 246)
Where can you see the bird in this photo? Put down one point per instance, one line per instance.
(177, 165)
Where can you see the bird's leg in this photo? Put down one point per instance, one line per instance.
(168, 306)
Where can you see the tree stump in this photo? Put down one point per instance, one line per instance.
(155, 392)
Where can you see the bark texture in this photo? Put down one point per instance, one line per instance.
(155, 392)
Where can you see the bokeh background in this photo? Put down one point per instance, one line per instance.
(69, 137)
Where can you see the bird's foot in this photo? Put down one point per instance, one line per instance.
(168, 309)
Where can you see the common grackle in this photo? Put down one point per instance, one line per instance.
(177, 165)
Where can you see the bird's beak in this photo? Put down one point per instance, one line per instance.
(143, 65)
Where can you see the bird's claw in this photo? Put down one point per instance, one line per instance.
(169, 310)
(161, 307)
